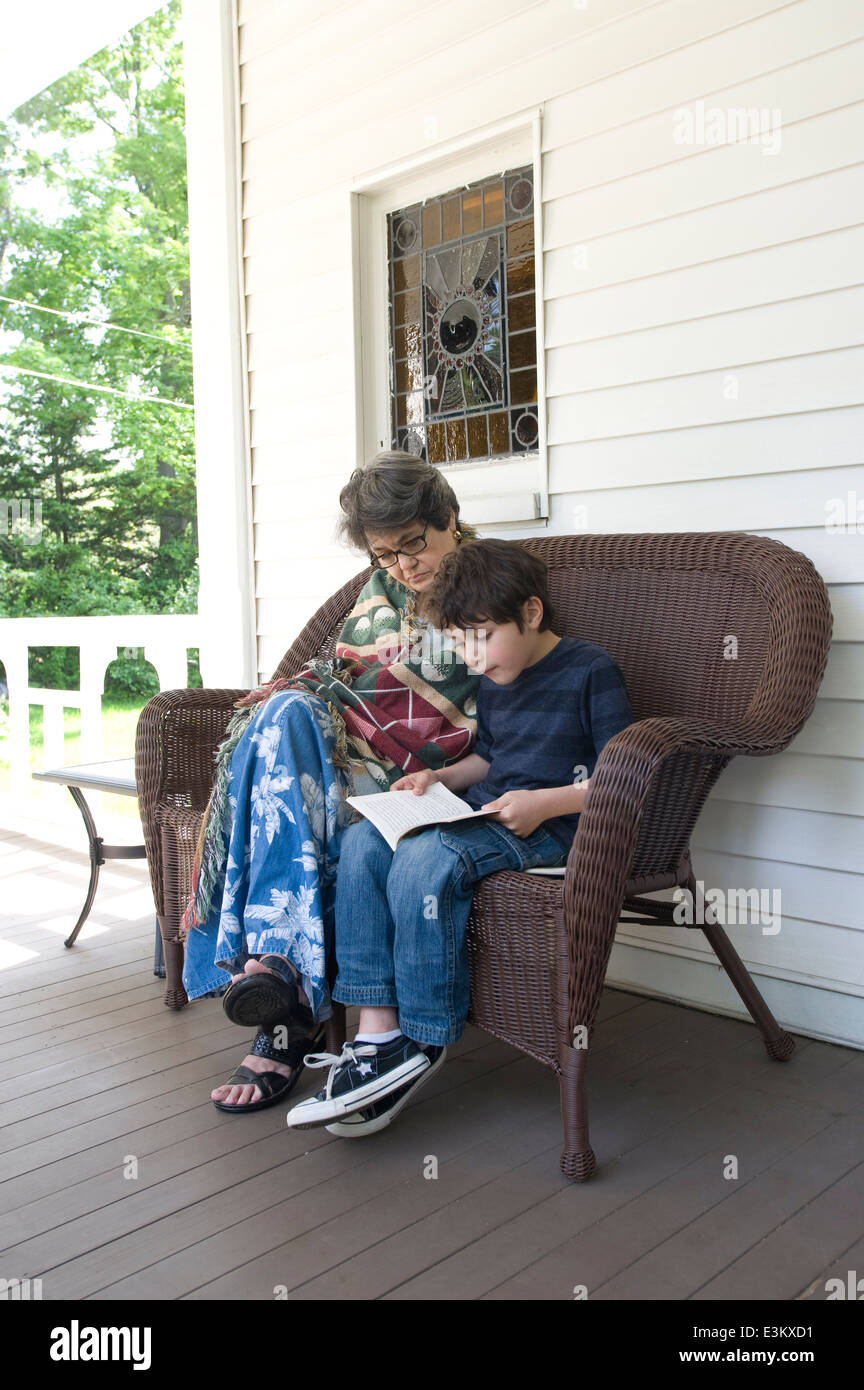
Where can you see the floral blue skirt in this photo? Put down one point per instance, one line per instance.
(288, 815)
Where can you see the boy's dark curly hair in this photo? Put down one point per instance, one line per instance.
(488, 581)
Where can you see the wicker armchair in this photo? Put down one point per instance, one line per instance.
(723, 640)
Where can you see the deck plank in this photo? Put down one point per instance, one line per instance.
(848, 1267)
(251, 1183)
(814, 1232)
(591, 1249)
(681, 1218)
(534, 1150)
(166, 1162)
(95, 1069)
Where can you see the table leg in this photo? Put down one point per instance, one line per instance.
(96, 861)
(99, 852)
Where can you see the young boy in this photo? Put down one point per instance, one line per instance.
(546, 706)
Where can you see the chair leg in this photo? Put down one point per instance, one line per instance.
(577, 1160)
(779, 1044)
(172, 949)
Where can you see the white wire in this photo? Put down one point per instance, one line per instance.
(100, 323)
(106, 390)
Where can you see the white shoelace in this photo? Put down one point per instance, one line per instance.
(334, 1060)
(327, 1059)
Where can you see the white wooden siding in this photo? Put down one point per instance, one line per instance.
(704, 356)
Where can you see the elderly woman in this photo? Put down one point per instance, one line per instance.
(395, 698)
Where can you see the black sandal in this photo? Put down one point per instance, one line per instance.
(272, 1084)
(264, 1000)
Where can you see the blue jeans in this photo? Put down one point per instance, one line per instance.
(401, 917)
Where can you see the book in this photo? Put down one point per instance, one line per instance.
(402, 813)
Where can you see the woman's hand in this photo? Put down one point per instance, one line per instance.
(519, 811)
(416, 782)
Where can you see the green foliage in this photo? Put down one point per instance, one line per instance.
(193, 670)
(132, 677)
(54, 668)
(115, 477)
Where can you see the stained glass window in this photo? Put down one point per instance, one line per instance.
(463, 345)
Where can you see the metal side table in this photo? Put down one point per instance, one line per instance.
(118, 777)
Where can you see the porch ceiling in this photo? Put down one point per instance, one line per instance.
(44, 39)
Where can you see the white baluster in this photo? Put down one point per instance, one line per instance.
(14, 656)
(96, 655)
(52, 729)
(169, 658)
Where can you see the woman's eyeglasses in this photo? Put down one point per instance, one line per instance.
(388, 558)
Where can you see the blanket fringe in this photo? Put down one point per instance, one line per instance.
(209, 860)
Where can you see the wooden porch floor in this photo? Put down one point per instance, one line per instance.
(119, 1179)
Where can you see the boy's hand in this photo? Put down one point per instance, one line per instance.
(519, 811)
(416, 782)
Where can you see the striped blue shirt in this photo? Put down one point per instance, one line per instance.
(546, 728)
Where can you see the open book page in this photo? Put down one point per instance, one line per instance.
(397, 814)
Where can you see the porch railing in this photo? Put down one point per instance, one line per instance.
(164, 637)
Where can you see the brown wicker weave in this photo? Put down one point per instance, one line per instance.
(663, 606)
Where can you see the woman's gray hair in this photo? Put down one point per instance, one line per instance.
(393, 488)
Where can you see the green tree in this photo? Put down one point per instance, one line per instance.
(115, 476)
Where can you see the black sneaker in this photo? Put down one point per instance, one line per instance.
(363, 1074)
(383, 1112)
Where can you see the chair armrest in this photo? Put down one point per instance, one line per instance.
(670, 733)
(176, 739)
(631, 761)
(628, 771)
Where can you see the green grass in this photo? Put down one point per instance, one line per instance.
(119, 718)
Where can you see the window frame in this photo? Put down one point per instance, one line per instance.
(501, 492)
